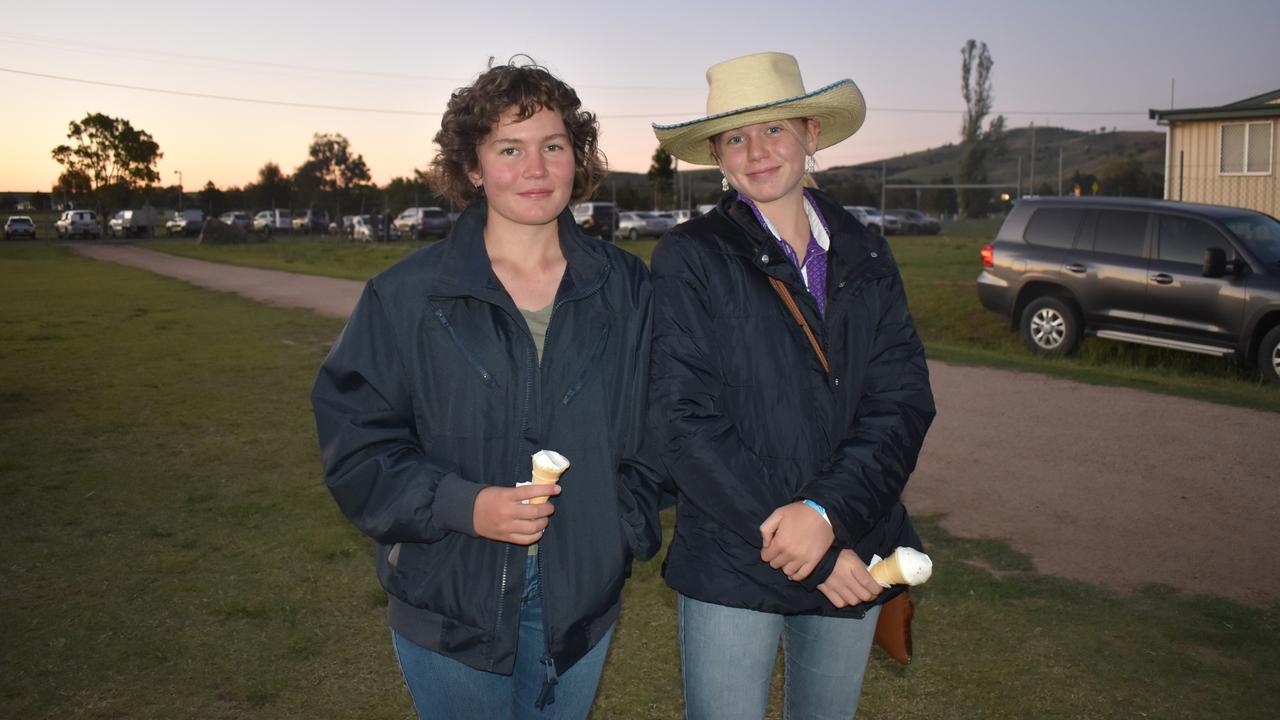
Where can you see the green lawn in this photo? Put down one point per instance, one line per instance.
(168, 549)
(939, 272)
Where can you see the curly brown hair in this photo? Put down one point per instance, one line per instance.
(474, 110)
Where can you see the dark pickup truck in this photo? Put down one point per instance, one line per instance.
(1199, 278)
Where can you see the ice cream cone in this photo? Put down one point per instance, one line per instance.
(906, 566)
(548, 465)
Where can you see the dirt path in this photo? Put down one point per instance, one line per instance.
(1112, 486)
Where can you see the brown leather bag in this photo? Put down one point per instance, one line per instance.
(893, 629)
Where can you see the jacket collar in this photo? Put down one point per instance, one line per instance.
(464, 269)
(852, 250)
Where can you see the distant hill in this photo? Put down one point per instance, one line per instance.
(1086, 152)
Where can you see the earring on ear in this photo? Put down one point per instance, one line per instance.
(810, 165)
(724, 183)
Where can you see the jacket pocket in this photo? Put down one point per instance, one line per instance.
(592, 363)
(485, 375)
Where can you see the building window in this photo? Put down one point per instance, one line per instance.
(1245, 148)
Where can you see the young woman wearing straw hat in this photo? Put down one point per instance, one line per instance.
(515, 333)
(790, 398)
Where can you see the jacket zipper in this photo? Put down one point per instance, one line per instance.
(475, 363)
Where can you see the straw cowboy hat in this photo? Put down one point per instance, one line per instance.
(759, 88)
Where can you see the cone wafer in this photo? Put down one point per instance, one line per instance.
(548, 465)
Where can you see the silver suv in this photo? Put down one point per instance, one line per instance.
(1199, 278)
(422, 222)
(78, 223)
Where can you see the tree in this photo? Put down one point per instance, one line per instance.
(332, 169)
(271, 190)
(212, 200)
(403, 192)
(73, 187)
(975, 86)
(662, 178)
(1125, 177)
(111, 153)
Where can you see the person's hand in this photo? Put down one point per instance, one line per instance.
(850, 583)
(500, 513)
(795, 539)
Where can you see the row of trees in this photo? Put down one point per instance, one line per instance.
(110, 164)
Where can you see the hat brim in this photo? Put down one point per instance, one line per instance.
(839, 109)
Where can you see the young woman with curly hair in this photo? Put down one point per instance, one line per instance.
(515, 333)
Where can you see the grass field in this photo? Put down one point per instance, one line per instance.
(939, 272)
(168, 549)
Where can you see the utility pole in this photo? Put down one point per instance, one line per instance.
(883, 180)
(179, 174)
(1059, 172)
(1019, 193)
(1032, 181)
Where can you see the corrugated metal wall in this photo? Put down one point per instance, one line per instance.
(1191, 173)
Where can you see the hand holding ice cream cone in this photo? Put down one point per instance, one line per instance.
(906, 566)
(548, 465)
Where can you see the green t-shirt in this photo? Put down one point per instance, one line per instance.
(537, 320)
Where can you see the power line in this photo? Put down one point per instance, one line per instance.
(421, 113)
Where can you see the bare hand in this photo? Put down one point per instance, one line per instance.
(500, 513)
(850, 583)
(795, 539)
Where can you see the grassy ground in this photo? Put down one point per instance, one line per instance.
(939, 272)
(167, 549)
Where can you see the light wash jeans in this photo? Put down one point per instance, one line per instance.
(727, 656)
(445, 689)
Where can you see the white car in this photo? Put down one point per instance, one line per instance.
(272, 221)
(78, 223)
(873, 220)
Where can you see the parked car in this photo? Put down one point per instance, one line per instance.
(19, 226)
(78, 223)
(269, 222)
(599, 219)
(631, 225)
(369, 228)
(869, 217)
(185, 222)
(237, 218)
(133, 223)
(423, 222)
(1199, 278)
(344, 226)
(311, 221)
(914, 222)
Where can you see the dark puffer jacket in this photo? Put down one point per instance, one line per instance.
(747, 420)
(434, 392)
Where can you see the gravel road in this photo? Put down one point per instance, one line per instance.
(1112, 486)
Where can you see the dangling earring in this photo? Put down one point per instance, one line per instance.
(810, 165)
(724, 183)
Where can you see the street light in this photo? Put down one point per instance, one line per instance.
(179, 174)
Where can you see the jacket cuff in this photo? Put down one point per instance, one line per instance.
(454, 506)
(823, 569)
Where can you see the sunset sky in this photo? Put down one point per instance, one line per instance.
(392, 65)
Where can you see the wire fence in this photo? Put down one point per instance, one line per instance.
(1202, 183)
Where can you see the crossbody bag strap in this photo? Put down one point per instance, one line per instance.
(790, 302)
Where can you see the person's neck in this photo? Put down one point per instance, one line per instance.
(522, 246)
(526, 259)
(790, 220)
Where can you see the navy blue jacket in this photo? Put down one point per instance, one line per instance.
(747, 420)
(434, 392)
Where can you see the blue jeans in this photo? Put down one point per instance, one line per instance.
(447, 689)
(727, 656)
